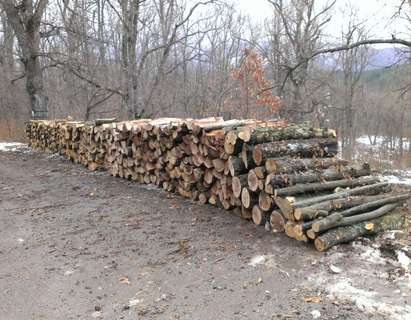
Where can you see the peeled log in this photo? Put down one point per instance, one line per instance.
(316, 187)
(289, 165)
(326, 147)
(392, 221)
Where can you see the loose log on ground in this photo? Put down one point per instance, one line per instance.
(391, 221)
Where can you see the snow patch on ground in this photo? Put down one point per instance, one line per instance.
(367, 301)
(267, 260)
(376, 284)
(14, 147)
(397, 180)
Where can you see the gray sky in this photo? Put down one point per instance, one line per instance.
(375, 13)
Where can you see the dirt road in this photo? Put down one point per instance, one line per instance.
(82, 245)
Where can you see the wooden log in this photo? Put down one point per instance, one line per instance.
(303, 148)
(287, 206)
(262, 134)
(265, 202)
(248, 198)
(277, 221)
(391, 221)
(260, 217)
(330, 174)
(247, 156)
(290, 165)
(368, 189)
(99, 122)
(238, 182)
(324, 208)
(335, 219)
(317, 187)
(236, 166)
(246, 213)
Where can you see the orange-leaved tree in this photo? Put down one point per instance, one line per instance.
(250, 96)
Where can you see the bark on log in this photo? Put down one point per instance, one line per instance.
(335, 219)
(390, 221)
(368, 189)
(260, 134)
(236, 166)
(316, 187)
(290, 165)
(292, 148)
(283, 180)
(324, 208)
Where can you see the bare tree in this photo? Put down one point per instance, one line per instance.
(25, 18)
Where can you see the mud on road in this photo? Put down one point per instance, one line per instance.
(81, 245)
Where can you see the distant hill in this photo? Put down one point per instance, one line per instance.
(378, 58)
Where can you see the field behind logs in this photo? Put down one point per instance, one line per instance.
(282, 176)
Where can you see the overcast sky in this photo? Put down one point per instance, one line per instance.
(376, 13)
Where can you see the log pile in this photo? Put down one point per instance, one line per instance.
(283, 176)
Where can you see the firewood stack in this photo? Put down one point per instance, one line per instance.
(283, 176)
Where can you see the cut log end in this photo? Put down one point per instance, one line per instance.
(277, 221)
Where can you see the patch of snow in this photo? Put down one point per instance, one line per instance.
(97, 314)
(365, 301)
(134, 302)
(369, 254)
(397, 180)
(267, 260)
(20, 240)
(335, 269)
(14, 147)
(316, 314)
(403, 259)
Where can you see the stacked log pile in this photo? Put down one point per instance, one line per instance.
(282, 176)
